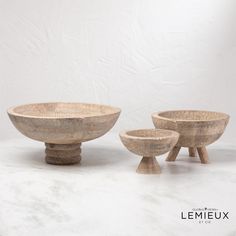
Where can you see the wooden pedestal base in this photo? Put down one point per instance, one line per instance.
(62, 154)
(173, 154)
(203, 155)
(148, 165)
(202, 152)
(192, 151)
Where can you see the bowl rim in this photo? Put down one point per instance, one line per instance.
(172, 134)
(11, 111)
(158, 115)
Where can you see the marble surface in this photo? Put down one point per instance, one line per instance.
(104, 195)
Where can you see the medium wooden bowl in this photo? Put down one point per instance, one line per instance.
(149, 143)
(197, 129)
(63, 126)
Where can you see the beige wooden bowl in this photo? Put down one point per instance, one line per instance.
(149, 143)
(63, 126)
(197, 129)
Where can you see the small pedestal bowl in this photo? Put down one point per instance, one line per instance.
(63, 126)
(197, 129)
(149, 143)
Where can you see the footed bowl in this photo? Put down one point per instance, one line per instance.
(63, 126)
(149, 143)
(197, 129)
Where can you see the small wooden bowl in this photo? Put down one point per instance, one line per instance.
(197, 129)
(149, 143)
(63, 126)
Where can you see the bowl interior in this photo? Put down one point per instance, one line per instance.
(150, 133)
(63, 110)
(193, 115)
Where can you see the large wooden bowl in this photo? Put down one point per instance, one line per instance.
(63, 126)
(197, 129)
(149, 143)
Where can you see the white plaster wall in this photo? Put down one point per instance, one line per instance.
(140, 55)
